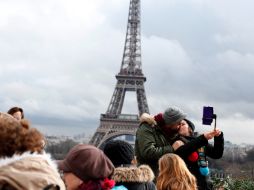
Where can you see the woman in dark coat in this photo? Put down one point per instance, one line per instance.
(194, 151)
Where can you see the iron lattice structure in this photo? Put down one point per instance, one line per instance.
(130, 78)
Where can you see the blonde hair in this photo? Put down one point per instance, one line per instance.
(174, 174)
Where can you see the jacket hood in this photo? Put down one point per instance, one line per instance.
(4, 161)
(145, 117)
(139, 174)
(30, 171)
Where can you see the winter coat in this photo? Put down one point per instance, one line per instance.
(150, 145)
(213, 151)
(134, 178)
(30, 172)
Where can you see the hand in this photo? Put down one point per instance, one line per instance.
(218, 132)
(209, 135)
(177, 144)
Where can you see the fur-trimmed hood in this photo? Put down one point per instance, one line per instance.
(139, 174)
(17, 157)
(145, 117)
(30, 171)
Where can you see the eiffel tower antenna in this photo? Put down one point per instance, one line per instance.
(130, 78)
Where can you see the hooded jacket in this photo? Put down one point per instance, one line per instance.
(134, 178)
(150, 145)
(30, 171)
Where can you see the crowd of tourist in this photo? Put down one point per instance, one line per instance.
(167, 156)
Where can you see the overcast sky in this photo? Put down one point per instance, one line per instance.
(59, 58)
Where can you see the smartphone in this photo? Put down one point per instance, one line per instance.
(208, 115)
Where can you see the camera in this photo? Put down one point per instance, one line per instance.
(208, 116)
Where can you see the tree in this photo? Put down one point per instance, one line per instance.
(59, 150)
(250, 155)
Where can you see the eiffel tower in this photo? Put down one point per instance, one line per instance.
(130, 78)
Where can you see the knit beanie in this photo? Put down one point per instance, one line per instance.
(173, 115)
(191, 125)
(119, 152)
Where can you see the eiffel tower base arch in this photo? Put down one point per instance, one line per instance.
(112, 127)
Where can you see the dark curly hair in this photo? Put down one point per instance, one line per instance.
(16, 137)
(13, 110)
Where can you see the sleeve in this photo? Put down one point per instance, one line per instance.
(147, 145)
(150, 185)
(191, 146)
(216, 151)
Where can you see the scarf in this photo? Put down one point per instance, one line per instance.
(105, 184)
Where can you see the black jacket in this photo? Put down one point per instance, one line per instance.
(213, 151)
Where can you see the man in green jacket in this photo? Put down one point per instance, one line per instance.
(154, 134)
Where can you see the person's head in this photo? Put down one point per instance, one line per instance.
(119, 152)
(186, 128)
(172, 117)
(174, 174)
(85, 163)
(16, 137)
(16, 112)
